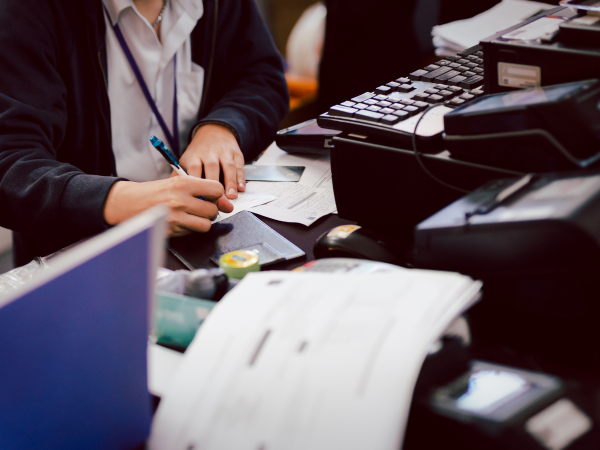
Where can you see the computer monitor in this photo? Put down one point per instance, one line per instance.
(73, 344)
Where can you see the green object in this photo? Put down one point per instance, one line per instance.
(177, 318)
(238, 263)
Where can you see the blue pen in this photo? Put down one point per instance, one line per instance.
(170, 157)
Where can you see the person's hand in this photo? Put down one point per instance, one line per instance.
(214, 148)
(187, 212)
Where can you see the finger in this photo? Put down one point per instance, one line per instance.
(194, 167)
(230, 176)
(189, 222)
(224, 205)
(211, 169)
(200, 208)
(198, 187)
(241, 176)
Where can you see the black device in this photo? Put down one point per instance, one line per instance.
(405, 195)
(493, 406)
(543, 59)
(306, 138)
(390, 112)
(353, 241)
(541, 129)
(536, 224)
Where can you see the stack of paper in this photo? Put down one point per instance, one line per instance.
(309, 360)
(454, 37)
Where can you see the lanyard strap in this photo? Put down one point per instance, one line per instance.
(172, 138)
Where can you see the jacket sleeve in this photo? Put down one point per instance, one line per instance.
(40, 195)
(247, 89)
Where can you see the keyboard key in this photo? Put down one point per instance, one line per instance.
(393, 85)
(420, 105)
(456, 80)
(472, 58)
(466, 96)
(412, 110)
(478, 61)
(440, 86)
(348, 104)
(406, 88)
(368, 115)
(393, 100)
(431, 67)
(477, 70)
(342, 111)
(407, 101)
(402, 114)
(398, 106)
(463, 61)
(361, 106)
(434, 98)
(472, 82)
(365, 96)
(384, 90)
(435, 73)
(462, 68)
(380, 97)
(386, 111)
(457, 90)
(443, 62)
(445, 77)
(469, 74)
(416, 76)
(476, 92)
(371, 102)
(479, 53)
(390, 119)
(453, 58)
(383, 103)
(456, 101)
(374, 108)
(454, 65)
(447, 94)
(431, 91)
(421, 96)
(471, 65)
(403, 80)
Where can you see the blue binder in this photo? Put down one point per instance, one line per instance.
(73, 345)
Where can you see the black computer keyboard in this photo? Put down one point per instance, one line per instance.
(391, 111)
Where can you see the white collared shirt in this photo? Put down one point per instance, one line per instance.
(132, 120)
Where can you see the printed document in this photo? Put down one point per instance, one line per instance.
(300, 360)
(246, 200)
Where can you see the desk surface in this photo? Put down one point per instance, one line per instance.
(304, 237)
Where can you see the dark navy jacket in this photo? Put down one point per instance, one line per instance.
(56, 161)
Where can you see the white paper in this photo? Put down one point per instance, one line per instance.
(317, 167)
(246, 200)
(162, 366)
(468, 32)
(295, 202)
(304, 201)
(309, 361)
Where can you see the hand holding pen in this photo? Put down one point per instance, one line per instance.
(180, 194)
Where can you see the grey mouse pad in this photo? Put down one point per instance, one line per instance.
(242, 231)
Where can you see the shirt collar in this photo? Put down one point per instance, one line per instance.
(114, 7)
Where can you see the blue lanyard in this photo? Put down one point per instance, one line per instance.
(172, 138)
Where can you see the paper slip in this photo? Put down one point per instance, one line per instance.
(318, 168)
(295, 203)
(309, 361)
(246, 200)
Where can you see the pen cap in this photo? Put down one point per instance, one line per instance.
(238, 263)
